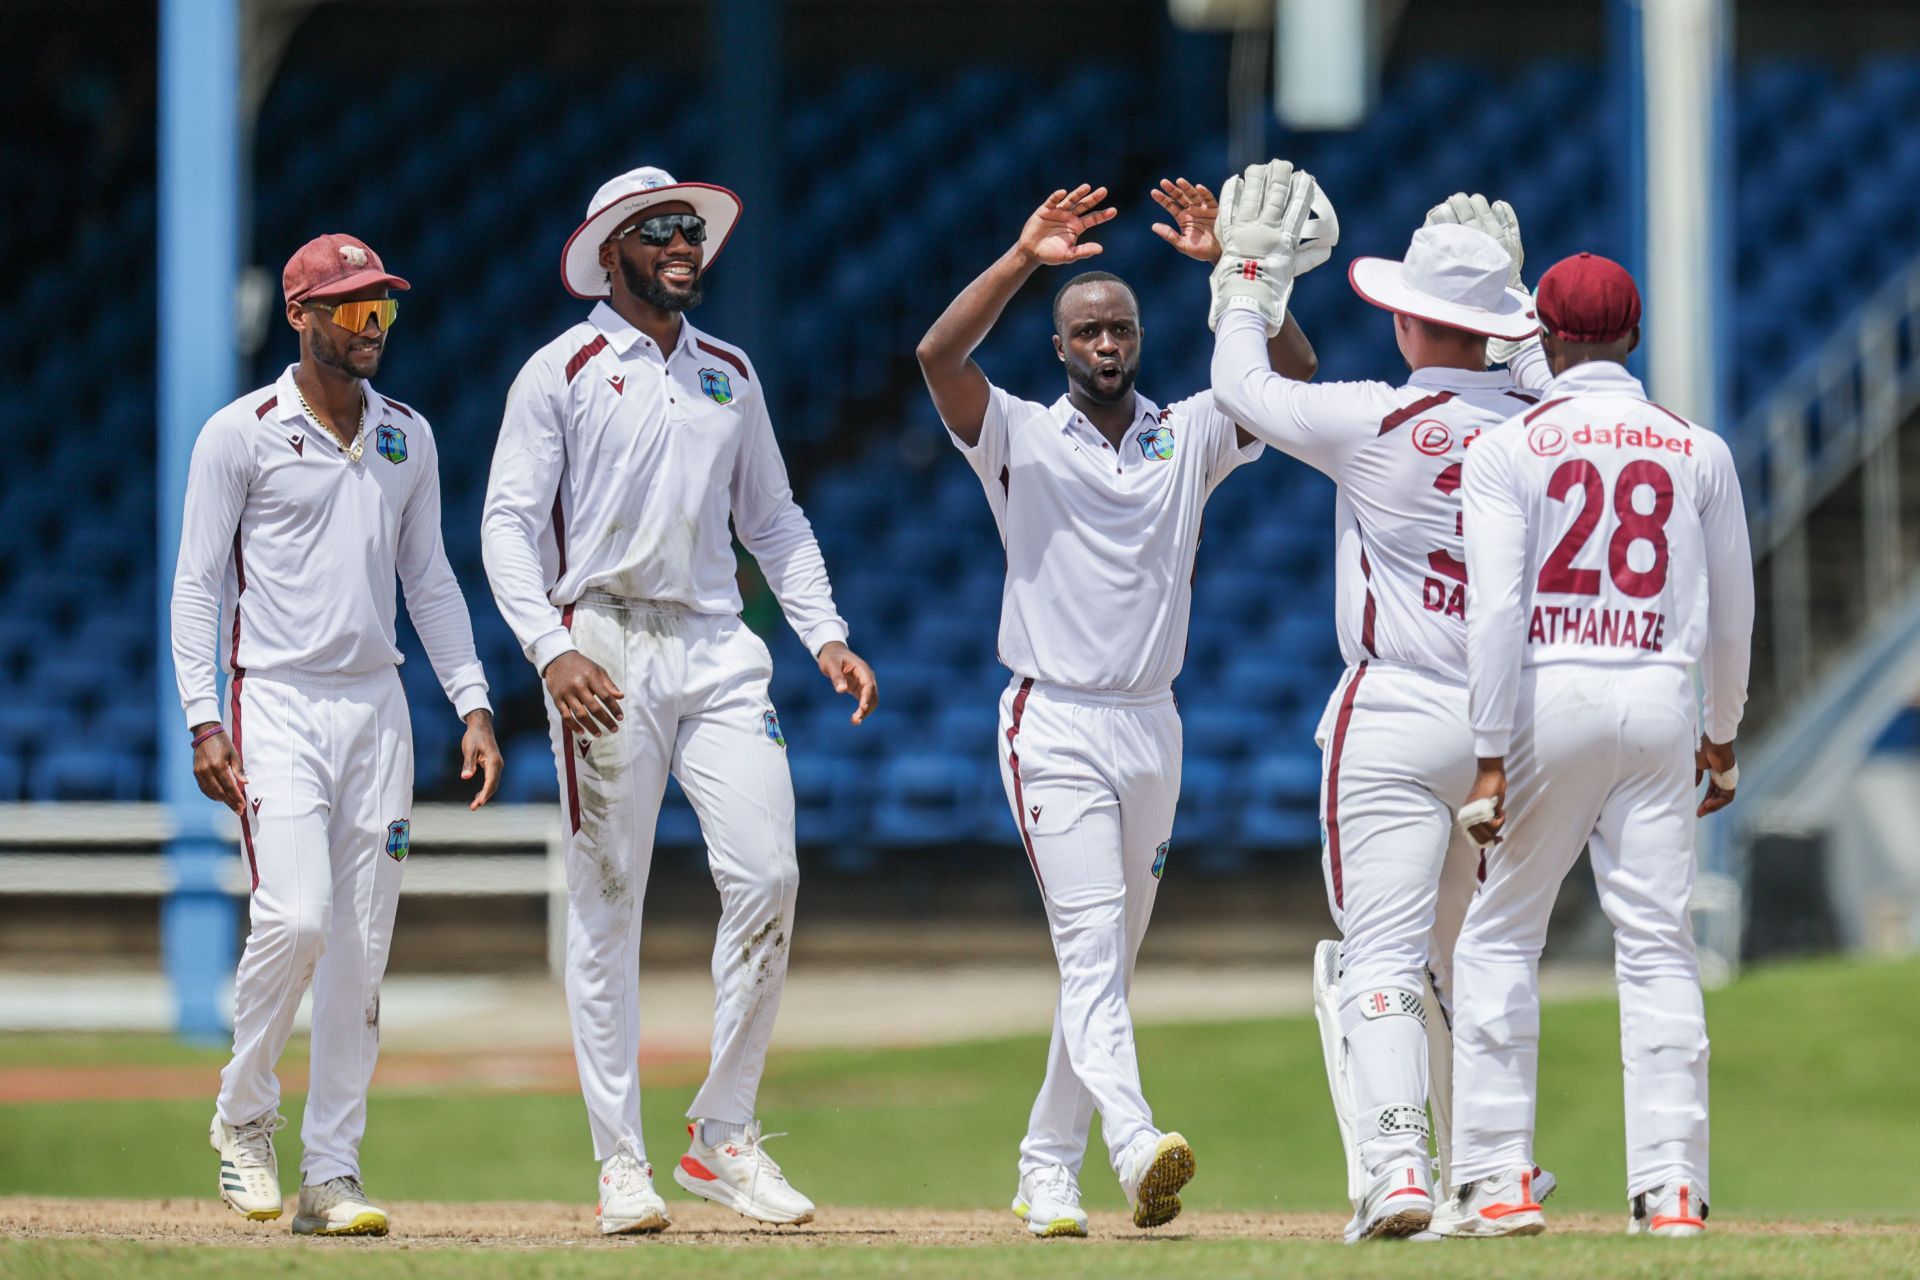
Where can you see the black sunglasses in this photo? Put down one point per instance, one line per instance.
(659, 229)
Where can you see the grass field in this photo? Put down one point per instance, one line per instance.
(1815, 1117)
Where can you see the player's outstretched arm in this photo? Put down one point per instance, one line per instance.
(1051, 237)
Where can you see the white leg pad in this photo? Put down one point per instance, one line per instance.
(1333, 1045)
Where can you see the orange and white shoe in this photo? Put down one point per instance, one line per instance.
(739, 1174)
(1491, 1207)
(1672, 1210)
(1398, 1203)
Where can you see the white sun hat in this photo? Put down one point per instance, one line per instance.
(615, 202)
(1453, 276)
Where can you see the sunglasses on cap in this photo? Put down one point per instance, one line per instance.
(353, 316)
(659, 229)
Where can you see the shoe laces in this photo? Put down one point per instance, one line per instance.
(626, 1173)
(752, 1147)
(253, 1141)
(346, 1187)
(1058, 1182)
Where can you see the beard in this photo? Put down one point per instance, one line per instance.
(333, 354)
(649, 290)
(1123, 390)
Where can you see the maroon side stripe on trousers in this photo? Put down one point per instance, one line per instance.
(1013, 761)
(1335, 751)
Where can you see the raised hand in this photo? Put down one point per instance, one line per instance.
(1194, 211)
(1496, 219)
(1052, 234)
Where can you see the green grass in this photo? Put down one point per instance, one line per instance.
(1814, 1115)
(1714, 1258)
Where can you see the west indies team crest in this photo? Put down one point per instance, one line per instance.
(717, 386)
(1160, 858)
(399, 839)
(771, 723)
(1157, 443)
(390, 442)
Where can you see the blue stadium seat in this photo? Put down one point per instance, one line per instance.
(927, 797)
(1282, 802)
(531, 776)
(87, 773)
(829, 800)
(1203, 825)
(679, 827)
(13, 777)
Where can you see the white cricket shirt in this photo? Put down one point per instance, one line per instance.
(1601, 528)
(288, 550)
(1100, 542)
(1395, 453)
(617, 469)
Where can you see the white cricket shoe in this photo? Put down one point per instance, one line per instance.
(1398, 1203)
(249, 1173)
(1668, 1211)
(739, 1174)
(338, 1207)
(628, 1201)
(1048, 1201)
(1154, 1171)
(1498, 1206)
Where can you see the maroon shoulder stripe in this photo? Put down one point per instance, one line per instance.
(1414, 410)
(396, 404)
(1019, 797)
(1335, 750)
(585, 354)
(1536, 412)
(266, 406)
(1524, 397)
(1671, 414)
(721, 353)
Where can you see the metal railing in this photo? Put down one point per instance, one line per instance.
(83, 849)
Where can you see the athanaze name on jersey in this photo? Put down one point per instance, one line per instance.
(1622, 436)
(1613, 628)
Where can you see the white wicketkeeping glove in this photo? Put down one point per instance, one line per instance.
(1499, 221)
(1274, 226)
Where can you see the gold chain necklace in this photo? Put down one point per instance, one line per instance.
(359, 445)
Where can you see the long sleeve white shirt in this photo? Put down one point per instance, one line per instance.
(1602, 528)
(617, 469)
(1395, 454)
(295, 549)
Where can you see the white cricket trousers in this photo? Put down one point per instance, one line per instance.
(329, 768)
(1396, 761)
(1601, 756)
(696, 705)
(1093, 779)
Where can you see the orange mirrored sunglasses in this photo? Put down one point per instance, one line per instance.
(353, 316)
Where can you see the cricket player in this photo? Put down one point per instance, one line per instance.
(628, 442)
(1606, 555)
(1397, 751)
(1098, 498)
(304, 500)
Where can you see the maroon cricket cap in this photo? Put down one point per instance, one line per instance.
(328, 265)
(1588, 298)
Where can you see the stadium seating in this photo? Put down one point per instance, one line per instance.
(472, 205)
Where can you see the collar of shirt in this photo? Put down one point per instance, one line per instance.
(1071, 420)
(288, 410)
(1600, 376)
(1443, 378)
(623, 336)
